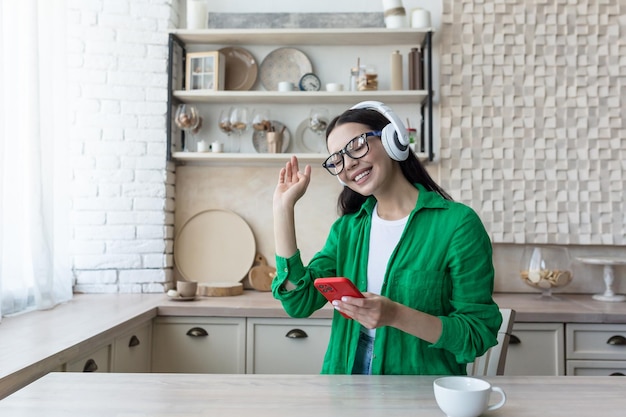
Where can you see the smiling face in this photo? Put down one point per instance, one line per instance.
(370, 174)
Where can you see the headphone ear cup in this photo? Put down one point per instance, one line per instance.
(389, 138)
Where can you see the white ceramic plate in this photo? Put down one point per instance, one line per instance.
(260, 143)
(283, 64)
(308, 140)
(214, 246)
(241, 69)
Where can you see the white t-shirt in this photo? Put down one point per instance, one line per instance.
(384, 237)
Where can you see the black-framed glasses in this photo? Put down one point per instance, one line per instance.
(357, 148)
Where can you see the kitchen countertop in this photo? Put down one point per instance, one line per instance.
(37, 342)
(117, 395)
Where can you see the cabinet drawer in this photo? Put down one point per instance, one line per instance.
(132, 350)
(199, 345)
(96, 361)
(286, 346)
(596, 368)
(596, 341)
(536, 349)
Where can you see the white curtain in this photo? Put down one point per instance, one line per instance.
(35, 271)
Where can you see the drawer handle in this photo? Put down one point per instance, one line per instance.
(617, 340)
(90, 366)
(514, 340)
(197, 332)
(134, 341)
(296, 334)
(616, 374)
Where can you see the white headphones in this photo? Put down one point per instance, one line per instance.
(395, 137)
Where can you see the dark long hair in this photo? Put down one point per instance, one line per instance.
(350, 201)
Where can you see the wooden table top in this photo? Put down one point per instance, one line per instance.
(160, 395)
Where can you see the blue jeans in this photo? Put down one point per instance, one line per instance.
(364, 352)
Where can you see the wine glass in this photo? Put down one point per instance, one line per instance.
(188, 119)
(224, 122)
(239, 124)
(545, 268)
(318, 120)
(261, 120)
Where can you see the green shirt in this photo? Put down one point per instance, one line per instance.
(441, 266)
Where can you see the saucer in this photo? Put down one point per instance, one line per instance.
(193, 297)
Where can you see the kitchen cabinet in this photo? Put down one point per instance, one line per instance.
(98, 360)
(286, 346)
(596, 349)
(132, 350)
(360, 41)
(199, 345)
(536, 349)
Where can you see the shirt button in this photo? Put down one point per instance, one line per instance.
(286, 270)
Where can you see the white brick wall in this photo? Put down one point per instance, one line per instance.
(123, 188)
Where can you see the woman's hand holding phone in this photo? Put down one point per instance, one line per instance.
(334, 288)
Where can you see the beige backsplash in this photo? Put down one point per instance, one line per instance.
(247, 191)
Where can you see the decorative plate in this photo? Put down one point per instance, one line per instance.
(284, 64)
(214, 246)
(241, 68)
(260, 143)
(308, 140)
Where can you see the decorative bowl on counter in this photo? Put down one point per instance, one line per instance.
(545, 268)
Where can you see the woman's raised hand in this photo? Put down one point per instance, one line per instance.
(292, 183)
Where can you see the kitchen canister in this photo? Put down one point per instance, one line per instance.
(420, 18)
(395, 14)
(197, 14)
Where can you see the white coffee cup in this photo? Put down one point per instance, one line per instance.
(202, 146)
(285, 86)
(464, 396)
(334, 87)
(217, 147)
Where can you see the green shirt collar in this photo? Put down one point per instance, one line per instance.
(426, 199)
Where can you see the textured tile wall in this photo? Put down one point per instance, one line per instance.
(533, 117)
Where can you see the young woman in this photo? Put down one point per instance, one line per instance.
(423, 262)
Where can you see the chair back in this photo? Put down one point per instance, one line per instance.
(493, 361)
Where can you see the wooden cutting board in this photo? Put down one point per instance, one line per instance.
(261, 275)
(214, 246)
(220, 289)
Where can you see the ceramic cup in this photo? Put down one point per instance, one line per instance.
(463, 396)
(285, 86)
(186, 288)
(202, 146)
(217, 147)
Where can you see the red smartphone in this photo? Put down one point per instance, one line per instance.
(333, 288)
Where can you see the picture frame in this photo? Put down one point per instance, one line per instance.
(205, 71)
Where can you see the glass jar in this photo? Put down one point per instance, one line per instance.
(368, 78)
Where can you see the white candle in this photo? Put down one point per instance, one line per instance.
(197, 14)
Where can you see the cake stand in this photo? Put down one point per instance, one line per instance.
(608, 263)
